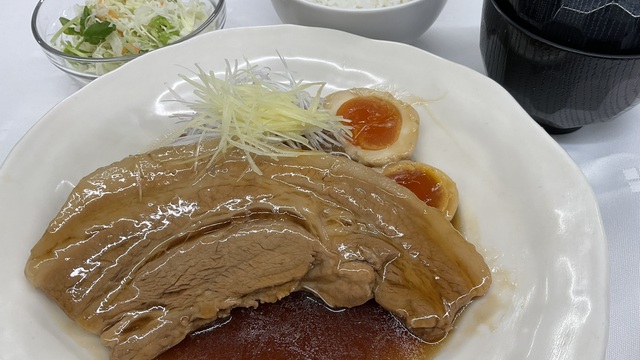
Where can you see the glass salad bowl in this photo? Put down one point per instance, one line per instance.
(89, 38)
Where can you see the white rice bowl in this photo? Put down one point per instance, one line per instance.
(360, 4)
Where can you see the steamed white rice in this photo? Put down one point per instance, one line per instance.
(360, 4)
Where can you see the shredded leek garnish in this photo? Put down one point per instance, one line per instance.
(248, 109)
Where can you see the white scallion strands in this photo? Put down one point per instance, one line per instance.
(250, 110)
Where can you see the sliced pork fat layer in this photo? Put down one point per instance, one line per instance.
(155, 246)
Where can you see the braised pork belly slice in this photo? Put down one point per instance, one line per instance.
(155, 246)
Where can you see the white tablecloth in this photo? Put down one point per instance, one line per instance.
(608, 153)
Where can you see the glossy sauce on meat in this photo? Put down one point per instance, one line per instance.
(300, 326)
(152, 248)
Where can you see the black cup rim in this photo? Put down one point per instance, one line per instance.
(514, 22)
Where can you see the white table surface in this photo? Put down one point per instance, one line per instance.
(608, 153)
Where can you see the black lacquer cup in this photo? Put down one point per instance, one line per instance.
(562, 88)
(590, 25)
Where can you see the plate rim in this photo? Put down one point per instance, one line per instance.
(598, 230)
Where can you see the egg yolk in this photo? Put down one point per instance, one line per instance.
(425, 185)
(375, 122)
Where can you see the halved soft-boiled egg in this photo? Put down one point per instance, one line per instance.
(430, 184)
(384, 128)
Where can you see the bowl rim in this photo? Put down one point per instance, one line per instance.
(315, 5)
(218, 10)
(520, 27)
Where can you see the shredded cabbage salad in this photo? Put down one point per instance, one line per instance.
(114, 28)
(259, 111)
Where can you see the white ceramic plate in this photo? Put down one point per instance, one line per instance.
(524, 203)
